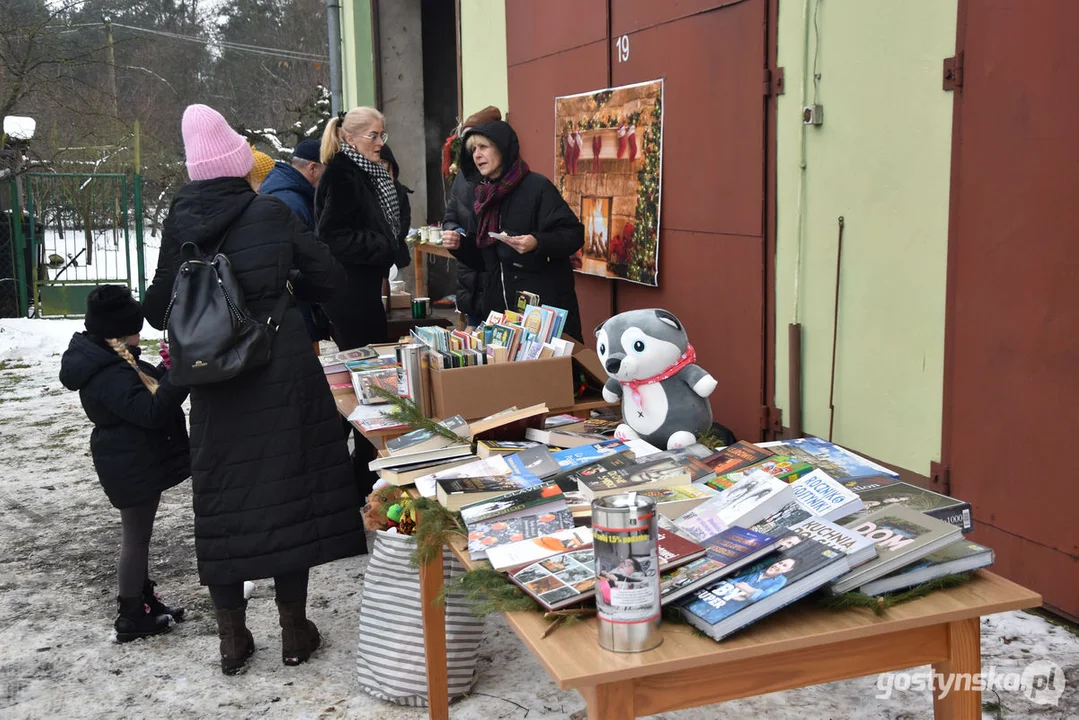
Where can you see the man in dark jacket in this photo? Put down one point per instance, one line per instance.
(540, 233)
(460, 219)
(294, 184)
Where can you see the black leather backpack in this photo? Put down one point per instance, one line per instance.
(210, 333)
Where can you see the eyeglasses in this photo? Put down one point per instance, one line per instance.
(376, 136)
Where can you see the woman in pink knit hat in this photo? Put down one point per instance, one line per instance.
(271, 478)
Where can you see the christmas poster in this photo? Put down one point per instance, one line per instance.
(609, 150)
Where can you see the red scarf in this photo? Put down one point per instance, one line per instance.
(489, 199)
(688, 358)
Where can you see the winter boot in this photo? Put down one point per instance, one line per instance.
(237, 644)
(136, 620)
(299, 636)
(157, 607)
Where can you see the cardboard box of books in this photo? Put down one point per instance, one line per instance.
(478, 391)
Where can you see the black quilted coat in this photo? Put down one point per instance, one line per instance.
(139, 442)
(272, 481)
(350, 221)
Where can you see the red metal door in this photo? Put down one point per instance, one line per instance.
(713, 249)
(553, 48)
(712, 245)
(1012, 338)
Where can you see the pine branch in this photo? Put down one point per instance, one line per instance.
(435, 527)
(489, 591)
(711, 440)
(411, 415)
(880, 604)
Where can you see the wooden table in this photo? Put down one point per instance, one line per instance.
(419, 266)
(797, 646)
(399, 321)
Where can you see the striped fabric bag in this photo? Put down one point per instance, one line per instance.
(391, 657)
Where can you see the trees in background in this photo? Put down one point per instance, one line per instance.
(87, 70)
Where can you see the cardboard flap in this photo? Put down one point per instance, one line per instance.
(588, 362)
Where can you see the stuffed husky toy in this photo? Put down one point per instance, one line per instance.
(651, 365)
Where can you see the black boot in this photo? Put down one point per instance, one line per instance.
(299, 636)
(135, 620)
(157, 607)
(237, 644)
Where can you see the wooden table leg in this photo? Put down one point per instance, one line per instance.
(417, 267)
(434, 639)
(956, 677)
(610, 701)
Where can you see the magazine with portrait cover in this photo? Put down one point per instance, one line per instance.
(800, 567)
(727, 553)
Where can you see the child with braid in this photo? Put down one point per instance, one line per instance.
(139, 442)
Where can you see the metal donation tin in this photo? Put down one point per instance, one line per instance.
(627, 572)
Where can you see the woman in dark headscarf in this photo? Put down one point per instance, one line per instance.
(537, 232)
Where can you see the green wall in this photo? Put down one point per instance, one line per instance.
(882, 161)
(483, 56)
(357, 61)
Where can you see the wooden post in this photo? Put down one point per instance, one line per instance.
(962, 701)
(610, 701)
(420, 288)
(111, 57)
(434, 639)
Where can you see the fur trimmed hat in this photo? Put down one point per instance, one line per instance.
(486, 115)
(212, 148)
(111, 312)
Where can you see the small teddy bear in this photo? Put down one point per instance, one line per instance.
(651, 366)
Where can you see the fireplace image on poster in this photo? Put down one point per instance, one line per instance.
(609, 151)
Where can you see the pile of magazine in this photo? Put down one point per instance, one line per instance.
(744, 531)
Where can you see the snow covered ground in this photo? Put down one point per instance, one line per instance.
(59, 540)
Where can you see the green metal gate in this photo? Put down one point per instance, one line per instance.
(80, 236)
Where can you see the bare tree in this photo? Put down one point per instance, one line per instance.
(39, 59)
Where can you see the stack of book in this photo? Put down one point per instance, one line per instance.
(744, 531)
(531, 334)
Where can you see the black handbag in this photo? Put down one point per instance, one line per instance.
(211, 335)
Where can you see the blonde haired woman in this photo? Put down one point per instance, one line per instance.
(139, 442)
(358, 216)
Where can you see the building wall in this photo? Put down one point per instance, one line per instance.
(483, 56)
(357, 60)
(882, 161)
(400, 39)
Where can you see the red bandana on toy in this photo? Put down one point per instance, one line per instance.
(688, 357)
